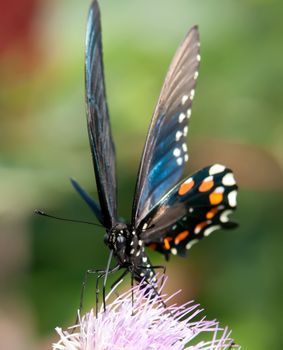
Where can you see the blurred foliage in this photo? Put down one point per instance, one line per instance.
(237, 119)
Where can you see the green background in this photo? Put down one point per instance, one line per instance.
(237, 120)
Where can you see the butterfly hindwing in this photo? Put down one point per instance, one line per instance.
(165, 152)
(191, 210)
(102, 146)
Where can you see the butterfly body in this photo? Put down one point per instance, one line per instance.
(168, 215)
(129, 251)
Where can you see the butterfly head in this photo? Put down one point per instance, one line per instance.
(116, 239)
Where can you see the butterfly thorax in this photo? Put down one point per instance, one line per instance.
(129, 250)
(117, 240)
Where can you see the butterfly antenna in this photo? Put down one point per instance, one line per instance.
(42, 213)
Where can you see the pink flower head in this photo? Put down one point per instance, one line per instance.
(145, 325)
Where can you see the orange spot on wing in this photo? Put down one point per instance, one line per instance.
(211, 213)
(181, 236)
(166, 243)
(200, 226)
(152, 246)
(215, 198)
(186, 187)
(206, 186)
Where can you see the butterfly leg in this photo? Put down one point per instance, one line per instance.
(119, 279)
(87, 273)
(104, 274)
(163, 268)
(94, 271)
(97, 293)
(132, 288)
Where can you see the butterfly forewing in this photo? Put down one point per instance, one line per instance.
(102, 147)
(165, 152)
(191, 210)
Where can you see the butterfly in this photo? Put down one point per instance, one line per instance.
(168, 215)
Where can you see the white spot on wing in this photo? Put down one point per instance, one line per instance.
(179, 161)
(224, 217)
(228, 180)
(209, 230)
(189, 113)
(216, 169)
(174, 251)
(185, 148)
(196, 75)
(208, 178)
(191, 243)
(145, 226)
(219, 189)
(198, 58)
(192, 94)
(177, 152)
(179, 134)
(190, 179)
(197, 230)
(181, 117)
(185, 131)
(144, 259)
(184, 99)
(186, 157)
(232, 198)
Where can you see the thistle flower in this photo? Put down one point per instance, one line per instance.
(144, 323)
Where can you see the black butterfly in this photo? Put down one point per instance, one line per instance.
(167, 216)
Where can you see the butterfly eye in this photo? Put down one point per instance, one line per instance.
(120, 239)
(106, 238)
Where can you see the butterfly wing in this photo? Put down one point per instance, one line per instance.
(191, 210)
(102, 146)
(88, 199)
(165, 151)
